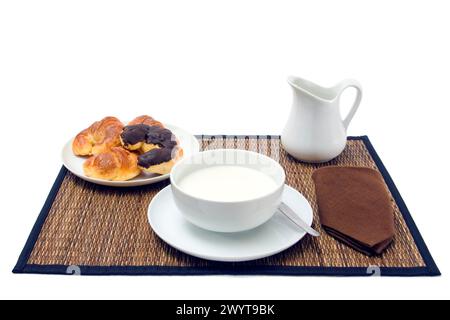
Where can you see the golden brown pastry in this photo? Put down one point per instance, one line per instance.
(116, 164)
(99, 137)
(150, 121)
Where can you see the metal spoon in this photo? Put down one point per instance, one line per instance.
(294, 218)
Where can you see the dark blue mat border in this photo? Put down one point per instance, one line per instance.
(232, 269)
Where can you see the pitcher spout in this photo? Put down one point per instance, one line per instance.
(308, 88)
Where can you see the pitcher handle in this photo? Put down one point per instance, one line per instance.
(341, 88)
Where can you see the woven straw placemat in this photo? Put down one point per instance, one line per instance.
(96, 230)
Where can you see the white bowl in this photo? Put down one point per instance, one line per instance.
(228, 216)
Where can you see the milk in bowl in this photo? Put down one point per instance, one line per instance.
(227, 183)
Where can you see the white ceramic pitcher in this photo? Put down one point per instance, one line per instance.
(315, 131)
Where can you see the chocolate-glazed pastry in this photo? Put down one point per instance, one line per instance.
(159, 136)
(158, 146)
(160, 160)
(133, 137)
(154, 157)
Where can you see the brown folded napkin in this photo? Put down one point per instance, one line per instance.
(355, 208)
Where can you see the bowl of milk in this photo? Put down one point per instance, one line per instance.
(227, 190)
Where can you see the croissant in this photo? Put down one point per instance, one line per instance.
(116, 164)
(150, 121)
(99, 137)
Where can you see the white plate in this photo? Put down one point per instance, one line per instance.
(74, 163)
(273, 237)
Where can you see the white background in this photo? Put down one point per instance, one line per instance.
(221, 67)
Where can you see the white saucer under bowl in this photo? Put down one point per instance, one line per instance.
(74, 164)
(273, 237)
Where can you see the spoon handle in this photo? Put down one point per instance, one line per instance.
(293, 217)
